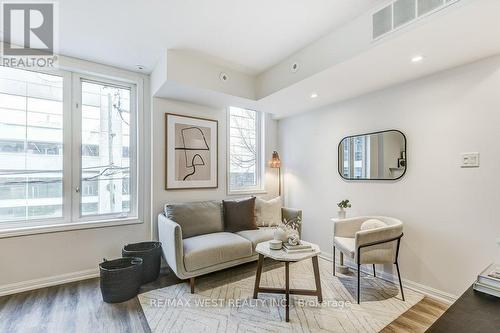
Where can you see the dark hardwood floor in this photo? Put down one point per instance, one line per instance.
(75, 307)
(78, 307)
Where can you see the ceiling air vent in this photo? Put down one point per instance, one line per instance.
(382, 22)
(427, 6)
(402, 12)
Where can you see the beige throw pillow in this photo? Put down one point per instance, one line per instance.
(372, 224)
(268, 213)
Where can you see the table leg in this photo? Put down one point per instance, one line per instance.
(317, 278)
(257, 276)
(287, 291)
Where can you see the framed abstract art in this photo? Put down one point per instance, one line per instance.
(191, 151)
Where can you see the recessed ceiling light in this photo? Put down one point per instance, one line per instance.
(314, 95)
(417, 59)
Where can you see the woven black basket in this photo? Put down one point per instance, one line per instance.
(120, 279)
(150, 252)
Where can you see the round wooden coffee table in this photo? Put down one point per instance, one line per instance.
(281, 255)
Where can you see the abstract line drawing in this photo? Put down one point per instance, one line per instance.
(191, 152)
(189, 134)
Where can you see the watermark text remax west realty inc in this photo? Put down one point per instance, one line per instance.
(29, 34)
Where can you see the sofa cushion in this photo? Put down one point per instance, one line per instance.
(212, 249)
(196, 218)
(268, 212)
(239, 214)
(257, 236)
(345, 245)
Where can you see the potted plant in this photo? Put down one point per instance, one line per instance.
(343, 205)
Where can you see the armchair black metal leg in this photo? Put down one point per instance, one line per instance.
(334, 260)
(359, 274)
(400, 284)
(374, 274)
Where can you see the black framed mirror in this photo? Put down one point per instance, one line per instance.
(373, 156)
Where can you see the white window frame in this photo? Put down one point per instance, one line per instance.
(259, 188)
(71, 219)
(78, 79)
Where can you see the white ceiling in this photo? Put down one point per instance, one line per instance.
(253, 35)
(463, 35)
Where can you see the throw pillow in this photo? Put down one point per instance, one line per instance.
(196, 218)
(268, 213)
(239, 215)
(372, 224)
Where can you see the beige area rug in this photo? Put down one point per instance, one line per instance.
(223, 303)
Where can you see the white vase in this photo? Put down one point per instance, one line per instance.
(341, 214)
(281, 235)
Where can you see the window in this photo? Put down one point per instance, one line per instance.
(105, 118)
(360, 156)
(346, 152)
(44, 120)
(356, 153)
(245, 151)
(31, 140)
(90, 150)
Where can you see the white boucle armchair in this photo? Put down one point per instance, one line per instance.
(373, 246)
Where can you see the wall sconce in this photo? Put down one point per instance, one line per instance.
(275, 163)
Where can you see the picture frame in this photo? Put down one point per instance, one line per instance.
(191, 148)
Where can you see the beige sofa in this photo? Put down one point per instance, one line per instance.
(194, 242)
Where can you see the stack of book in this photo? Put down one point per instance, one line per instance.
(489, 281)
(299, 248)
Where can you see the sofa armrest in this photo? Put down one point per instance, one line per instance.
(170, 236)
(291, 214)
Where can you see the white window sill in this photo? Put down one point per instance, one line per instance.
(60, 227)
(246, 192)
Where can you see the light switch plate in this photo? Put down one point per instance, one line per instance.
(470, 160)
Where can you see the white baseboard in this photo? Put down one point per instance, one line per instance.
(18, 287)
(420, 288)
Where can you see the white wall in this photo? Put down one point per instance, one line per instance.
(162, 196)
(450, 214)
(35, 260)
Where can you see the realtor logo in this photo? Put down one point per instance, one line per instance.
(28, 29)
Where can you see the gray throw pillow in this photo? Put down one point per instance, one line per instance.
(239, 215)
(196, 218)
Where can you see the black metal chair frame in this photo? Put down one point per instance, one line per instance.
(398, 239)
